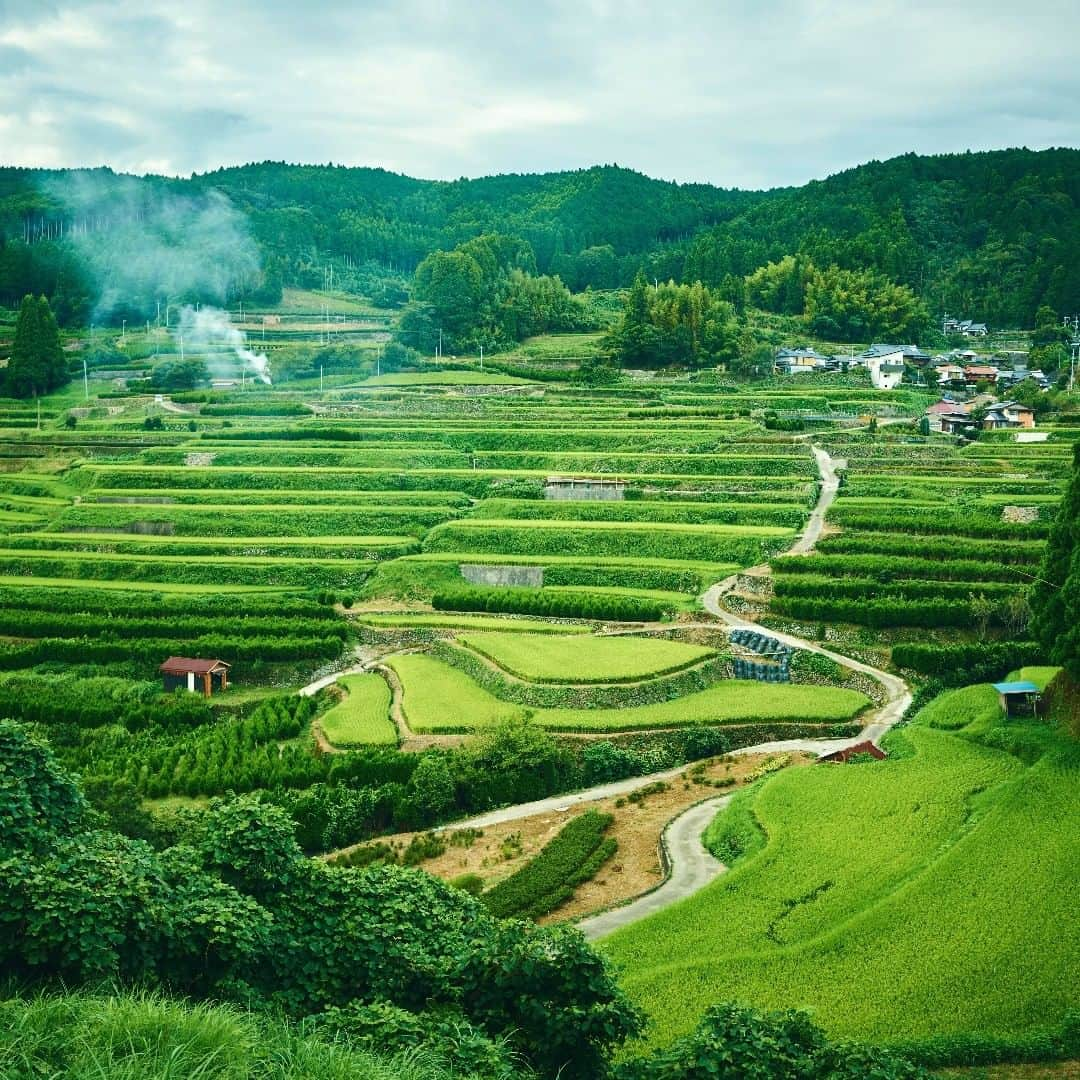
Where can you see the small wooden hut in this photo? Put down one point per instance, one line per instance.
(185, 673)
(848, 752)
(1018, 698)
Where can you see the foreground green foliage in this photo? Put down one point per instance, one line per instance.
(239, 913)
(140, 1036)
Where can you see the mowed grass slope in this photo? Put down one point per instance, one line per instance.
(584, 659)
(437, 697)
(922, 895)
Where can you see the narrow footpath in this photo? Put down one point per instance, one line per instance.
(690, 866)
(691, 869)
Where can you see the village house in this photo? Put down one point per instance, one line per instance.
(977, 373)
(886, 363)
(956, 423)
(941, 409)
(949, 372)
(1008, 414)
(798, 361)
(964, 326)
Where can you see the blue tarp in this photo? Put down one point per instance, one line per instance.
(1016, 688)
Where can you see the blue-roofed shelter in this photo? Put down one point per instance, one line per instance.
(1018, 698)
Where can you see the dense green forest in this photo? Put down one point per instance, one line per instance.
(989, 236)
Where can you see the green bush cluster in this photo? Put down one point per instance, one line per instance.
(542, 884)
(148, 653)
(556, 605)
(888, 568)
(960, 665)
(238, 913)
(880, 613)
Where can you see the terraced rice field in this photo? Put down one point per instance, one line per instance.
(584, 660)
(940, 886)
(438, 697)
(362, 718)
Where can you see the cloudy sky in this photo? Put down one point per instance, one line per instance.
(750, 93)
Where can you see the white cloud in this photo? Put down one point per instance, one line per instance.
(742, 93)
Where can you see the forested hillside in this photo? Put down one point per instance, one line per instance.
(991, 236)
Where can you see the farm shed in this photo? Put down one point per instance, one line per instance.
(1018, 698)
(849, 752)
(185, 673)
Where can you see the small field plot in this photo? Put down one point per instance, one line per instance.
(439, 698)
(362, 718)
(584, 659)
(446, 378)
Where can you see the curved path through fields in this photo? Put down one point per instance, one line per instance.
(691, 866)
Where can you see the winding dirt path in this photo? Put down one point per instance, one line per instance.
(691, 868)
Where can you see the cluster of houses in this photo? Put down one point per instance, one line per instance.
(963, 417)
(884, 362)
(966, 327)
(887, 363)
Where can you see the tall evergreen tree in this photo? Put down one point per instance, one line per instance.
(37, 361)
(1055, 598)
(52, 354)
(26, 374)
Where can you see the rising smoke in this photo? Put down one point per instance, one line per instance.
(141, 243)
(208, 331)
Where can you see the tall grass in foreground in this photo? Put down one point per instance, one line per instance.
(142, 1036)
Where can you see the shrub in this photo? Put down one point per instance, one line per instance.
(572, 857)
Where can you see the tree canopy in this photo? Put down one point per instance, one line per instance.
(37, 361)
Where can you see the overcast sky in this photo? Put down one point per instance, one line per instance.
(749, 93)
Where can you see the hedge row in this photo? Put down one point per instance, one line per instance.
(558, 605)
(541, 885)
(927, 547)
(150, 652)
(887, 569)
(627, 577)
(642, 541)
(962, 665)
(38, 624)
(936, 523)
(786, 516)
(110, 603)
(302, 574)
(815, 586)
(881, 614)
(281, 408)
(373, 550)
(281, 521)
(611, 696)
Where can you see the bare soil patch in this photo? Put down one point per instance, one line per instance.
(635, 868)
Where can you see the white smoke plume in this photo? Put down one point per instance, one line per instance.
(142, 243)
(208, 332)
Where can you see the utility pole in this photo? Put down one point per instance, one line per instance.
(481, 357)
(181, 348)
(320, 378)
(159, 311)
(438, 352)
(123, 329)
(85, 380)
